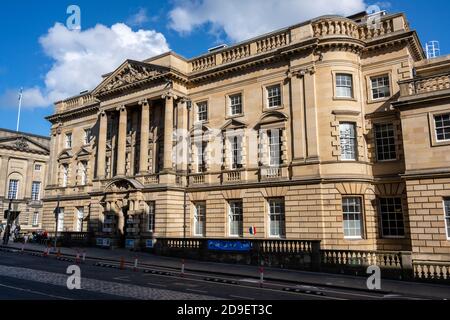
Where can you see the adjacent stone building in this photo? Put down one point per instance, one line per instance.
(23, 169)
(302, 133)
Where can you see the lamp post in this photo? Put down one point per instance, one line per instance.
(10, 216)
(56, 211)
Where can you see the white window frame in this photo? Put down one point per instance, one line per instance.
(83, 173)
(341, 82)
(201, 156)
(436, 128)
(68, 140)
(199, 218)
(36, 195)
(383, 143)
(202, 111)
(361, 218)
(380, 212)
(79, 217)
(232, 104)
(87, 136)
(278, 202)
(271, 98)
(35, 219)
(344, 155)
(381, 87)
(65, 175)
(60, 221)
(151, 205)
(236, 152)
(233, 204)
(446, 204)
(10, 190)
(274, 143)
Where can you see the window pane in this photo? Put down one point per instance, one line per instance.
(276, 217)
(391, 214)
(447, 216)
(151, 216)
(13, 189)
(385, 142)
(35, 191)
(380, 87)
(200, 219)
(344, 85)
(348, 141)
(236, 218)
(274, 96)
(235, 104)
(442, 123)
(274, 137)
(202, 111)
(351, 208)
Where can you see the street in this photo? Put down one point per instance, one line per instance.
(33, 277)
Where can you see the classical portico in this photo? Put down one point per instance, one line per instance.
(136, 133)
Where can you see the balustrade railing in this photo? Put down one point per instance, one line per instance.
(425, 85)
(432, 270)
(272, 42)
(236, 53)
(362, 258)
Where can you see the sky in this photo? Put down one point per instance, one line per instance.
(41, 54)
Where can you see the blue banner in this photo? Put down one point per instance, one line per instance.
(229, 245)
(129, 243)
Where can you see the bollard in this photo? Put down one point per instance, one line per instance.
(84, 256)
(44, 254)
(58, 254)
(122, 263)
(23, 247)
(182, 268)
(135, 264)
(261, 276)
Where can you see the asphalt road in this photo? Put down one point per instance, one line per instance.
(24, 276)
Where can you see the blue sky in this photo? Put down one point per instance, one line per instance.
(50, 62)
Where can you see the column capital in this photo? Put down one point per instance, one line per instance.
(169, 95)
(299, 73)
(144, 102)
(121, 108)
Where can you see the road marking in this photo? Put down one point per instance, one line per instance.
(241, 297)
(250, 280)
(157, 285)
(197, 291)
(124, 278)
(34, 292)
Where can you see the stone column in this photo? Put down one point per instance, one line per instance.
(182, 146)
(145, 128)
(101, 153)
(3, 175)
(297, 118)
(168, 131)
(28, 181)
(121, 141)
(311, 116)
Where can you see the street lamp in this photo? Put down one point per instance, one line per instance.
(56, 212)
(10, 215)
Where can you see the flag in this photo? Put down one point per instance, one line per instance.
(252, 230)
(20, 94)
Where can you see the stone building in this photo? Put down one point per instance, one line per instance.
(310, 144)
(23, 169)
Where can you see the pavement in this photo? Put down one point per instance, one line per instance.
(251, 273)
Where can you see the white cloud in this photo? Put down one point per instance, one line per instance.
(243, 19)
(139, 18)
(80, 58)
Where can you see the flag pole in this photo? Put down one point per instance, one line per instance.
(20, 106)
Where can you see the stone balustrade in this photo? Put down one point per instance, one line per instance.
(272, 42)
(429, 270)
(236, 53)
(335, 27)
(203, 63)
(74, 103)
(424, 85)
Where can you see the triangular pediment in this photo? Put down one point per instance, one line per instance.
(24, 144)
(65, 154)
(233, 124)
(129, 73)
(83, 152)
